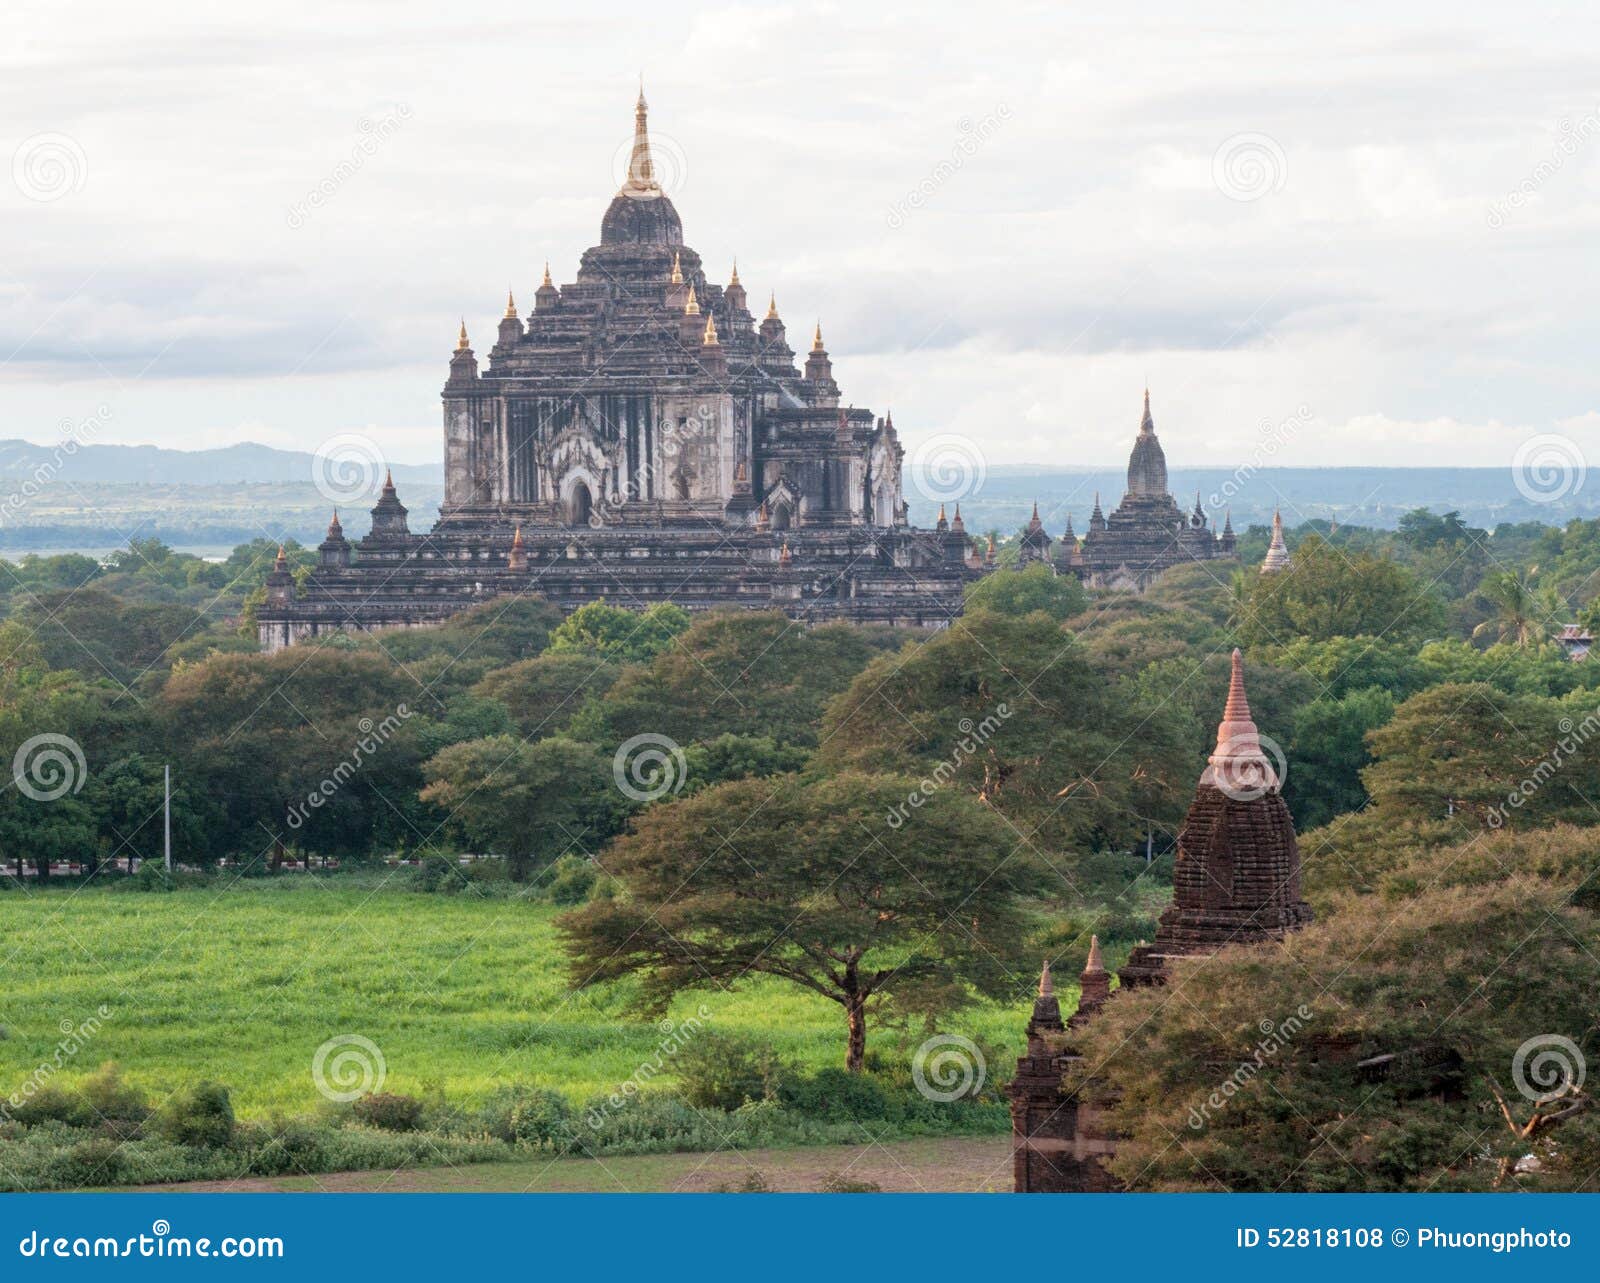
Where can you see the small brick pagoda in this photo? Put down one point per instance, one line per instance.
(1236, 880)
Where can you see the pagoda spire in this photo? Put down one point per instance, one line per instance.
(735, 279)
(709, 338)
(461, 338)
(677, 269)
(547, 281)
(641, 170)
(816, 338)
(772, 306)
(1237, 765)
(692, 307)
(511, 306)
(1147, 424)
(1277, 557)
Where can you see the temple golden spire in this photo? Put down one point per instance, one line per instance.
(641, 170)
(772, 306)
(511, 306)
(709, 339)
(547, 280)
(677, 269)
(692, 307)
(735, 279)
(461, 339)
(816, 338)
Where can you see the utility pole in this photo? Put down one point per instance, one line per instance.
(166, 816)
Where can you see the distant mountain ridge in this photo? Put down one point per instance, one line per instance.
(245, 463)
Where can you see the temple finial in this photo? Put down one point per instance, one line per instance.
(816, 338)
(1094, 963)
(772, 306)
(461, 339)
(735, 279)
(709, 338)
(692, 307)
(547, 280)
(641, 170)
(511, 306)
(677, 268)
(1047, 987)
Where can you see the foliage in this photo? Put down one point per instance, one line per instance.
(200, 1114)
(620, 636)
(917, 917)
(388, 1111)
(719, 1071)
(1021, 592)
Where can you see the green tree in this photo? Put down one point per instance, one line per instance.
(1523, 614)
(1328, 752)
(621, 636)
(544, 694)
(528, 802)
(810, 882)
(1333, 592)
(1021, 592)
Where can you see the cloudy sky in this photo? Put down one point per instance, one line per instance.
(1376, 227)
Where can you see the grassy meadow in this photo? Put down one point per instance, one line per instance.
(241, 985)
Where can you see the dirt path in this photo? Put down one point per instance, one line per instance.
(964, 1165)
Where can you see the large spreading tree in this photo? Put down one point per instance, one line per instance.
(813, 882)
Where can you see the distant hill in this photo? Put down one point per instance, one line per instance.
(99, 496)
(154, 465)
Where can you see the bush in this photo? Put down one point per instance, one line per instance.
(532, 1116)
(111, 1098)
(837, 1094)
(389, 1112)
(838, 1183)
(753, 1183)
(439, 874)
(97, 1161)
(52, 1104)
(200, 1115)
(716, 1071)
(570, 880)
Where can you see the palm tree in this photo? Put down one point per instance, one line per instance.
(1523, 613)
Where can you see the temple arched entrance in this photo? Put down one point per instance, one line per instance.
(580, 504)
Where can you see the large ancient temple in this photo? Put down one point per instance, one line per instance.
(641, 437)
(1236, 881)
(1146, 534)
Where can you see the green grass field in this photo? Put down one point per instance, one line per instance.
(242, 985)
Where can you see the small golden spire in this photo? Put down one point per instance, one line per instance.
(709, 338)
(691, 308)
(547, 281)
(816, 338)
(783, 555)
(677, 269)
(772, 306)
(516, 538)
(511, 306)
(735, 279)
(461, 341)
(941, 514)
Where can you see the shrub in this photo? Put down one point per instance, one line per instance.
(570, 880)
(532, 1116)
(111, 1098)
(200, 1115)
(389, 1112)
(752, 1183)
(97, 1161)
(834, 1093)
(439, 874)
(716, 1071)
(52, 1104)
(838, 1183)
